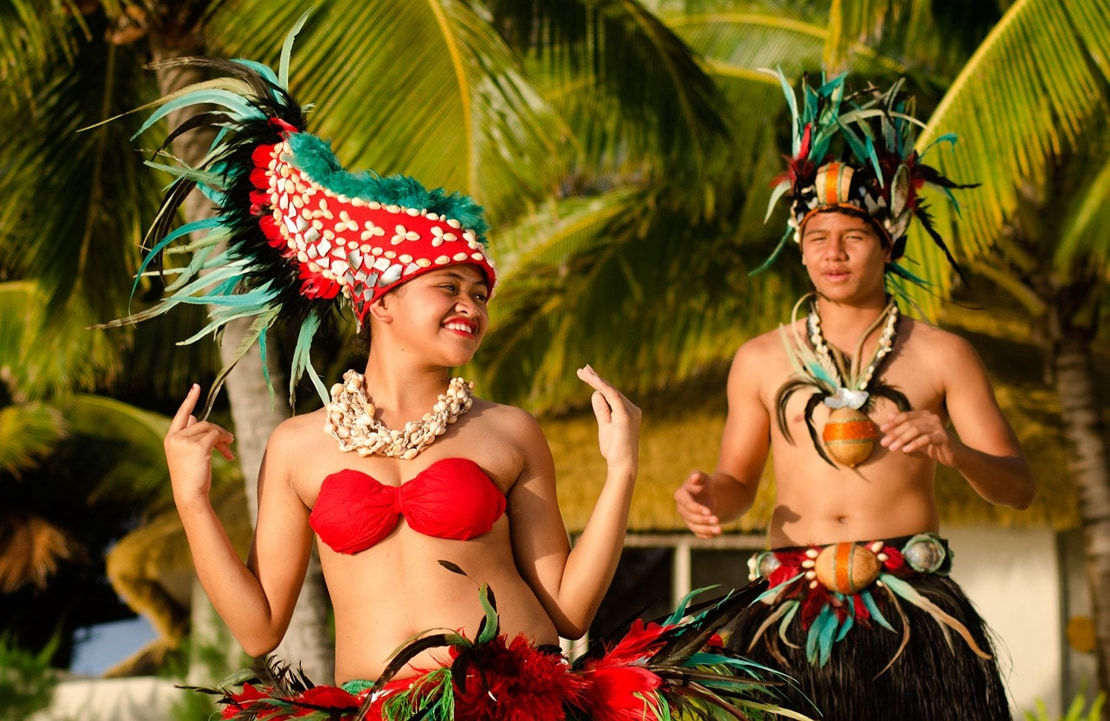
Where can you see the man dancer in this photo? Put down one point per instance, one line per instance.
(859, 606)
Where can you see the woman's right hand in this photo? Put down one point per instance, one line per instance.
(189, 444)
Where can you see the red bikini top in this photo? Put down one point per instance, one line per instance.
(452, 498)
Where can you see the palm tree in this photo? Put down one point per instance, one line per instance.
(434, 91)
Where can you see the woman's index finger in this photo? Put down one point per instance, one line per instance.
(185, 411)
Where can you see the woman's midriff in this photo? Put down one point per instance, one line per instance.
(377, 609)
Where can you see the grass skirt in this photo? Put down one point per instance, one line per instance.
(910, 646)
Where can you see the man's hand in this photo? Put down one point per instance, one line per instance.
(923, 431)
(697, 504)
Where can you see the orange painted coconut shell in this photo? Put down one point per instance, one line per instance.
(849, 436)
(846, 567)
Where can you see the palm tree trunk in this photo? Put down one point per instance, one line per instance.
(1088, 464)
(307, 642)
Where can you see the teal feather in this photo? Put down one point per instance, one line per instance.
(873, 609)
(775, 253)
(221, 98)
(680, 608)
(818, 371)
(263, 356)
(792, 103)
(302, 359)
(264, 70)
(819, 641)
(845, 627)
(949, 138)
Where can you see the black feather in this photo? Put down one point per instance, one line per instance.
(811, 405)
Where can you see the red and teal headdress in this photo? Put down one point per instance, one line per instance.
(296, 236)
(856, 152)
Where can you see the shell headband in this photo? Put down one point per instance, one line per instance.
(857, 153)
(295, 235)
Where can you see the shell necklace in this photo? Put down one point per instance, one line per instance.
(351, 420)
(852, 380)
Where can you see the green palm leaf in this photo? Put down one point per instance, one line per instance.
(1031, 93)
(437, 94)
(44, 359)
(1084, 244)
(71, 198)
(27, 434)
(629, 87)
(32, 40)
(139, 466)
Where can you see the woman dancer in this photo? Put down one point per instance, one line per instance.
(423, 500)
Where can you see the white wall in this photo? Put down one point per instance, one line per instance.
(1012, 577)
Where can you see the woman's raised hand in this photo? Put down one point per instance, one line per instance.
(618, 422)
(189, 444)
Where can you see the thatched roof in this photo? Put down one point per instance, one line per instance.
(681, 432)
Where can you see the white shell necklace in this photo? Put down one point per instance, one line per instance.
(351, 420)
(853, 381)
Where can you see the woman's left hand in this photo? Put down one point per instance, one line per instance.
(618, 422)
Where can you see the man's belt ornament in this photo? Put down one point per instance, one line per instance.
(831, 588)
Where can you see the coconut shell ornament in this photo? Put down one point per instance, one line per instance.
(845, 385)
(849, 436)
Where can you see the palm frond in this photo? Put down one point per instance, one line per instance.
(629, 285)
(33, 40)
(31, 548)
(44, 357)
(438, 95)
(140, 470)
(1031, 93)
(631, 89)
(27, 434)
(1084, 241)
(70, 197)
(936, 38)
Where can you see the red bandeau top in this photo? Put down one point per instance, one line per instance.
(452, 498)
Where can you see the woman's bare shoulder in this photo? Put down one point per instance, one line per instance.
(508, 419)
(297, 433)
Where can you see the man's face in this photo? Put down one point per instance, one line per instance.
(845, 256)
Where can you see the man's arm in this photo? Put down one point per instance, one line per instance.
(706, 501)
(984, 448)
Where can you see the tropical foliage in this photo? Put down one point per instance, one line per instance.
(623, 149)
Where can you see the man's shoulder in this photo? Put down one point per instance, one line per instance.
(768, 343)
(930, 340)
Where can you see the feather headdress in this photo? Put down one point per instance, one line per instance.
(295, 235)
(856, 152)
